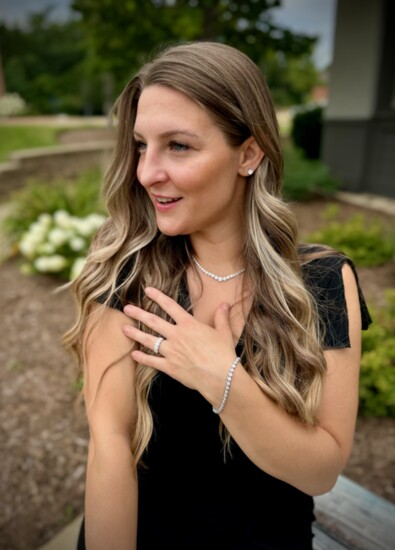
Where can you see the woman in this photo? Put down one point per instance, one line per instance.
(220, 358)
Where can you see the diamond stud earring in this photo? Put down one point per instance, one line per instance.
(250, 172)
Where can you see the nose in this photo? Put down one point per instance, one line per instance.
(151, 169)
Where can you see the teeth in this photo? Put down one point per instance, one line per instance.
(164, 201)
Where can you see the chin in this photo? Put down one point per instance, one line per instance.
(173, 231)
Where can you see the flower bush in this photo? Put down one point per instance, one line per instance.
(58, 243)
(79, 197)
(12, 105)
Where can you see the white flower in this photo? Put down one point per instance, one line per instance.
(27, 248)
(46, 248)
(77, 244)
(59, 214)
(61, 231)
(45, 219)
(58, 237)
(29, 244)
(38, 231)
(12, 104)
(50, 264)
(77, 267)
(63, 219)
(96, 220)
(84, 227)
(89, 225)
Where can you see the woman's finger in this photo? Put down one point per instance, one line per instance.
(154, 361)
(170, 306)
(150, 320)
(143, 338)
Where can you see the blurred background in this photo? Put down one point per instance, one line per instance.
(331, 70)
(75, 56)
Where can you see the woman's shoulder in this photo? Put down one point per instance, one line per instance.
(315, 258)
(321, 269)
(321, 266)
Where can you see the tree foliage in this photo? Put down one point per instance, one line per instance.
(123, 34)
(79, 66)
(49, 65)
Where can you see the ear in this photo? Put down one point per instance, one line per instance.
(251, 156)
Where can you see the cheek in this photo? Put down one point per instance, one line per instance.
(202, 175)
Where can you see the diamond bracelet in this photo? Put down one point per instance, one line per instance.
(227, 386)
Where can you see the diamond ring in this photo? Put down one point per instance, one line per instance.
(158, 342)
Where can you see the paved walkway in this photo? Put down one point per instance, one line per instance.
(374, 202)
(66, 539)
(4, 240)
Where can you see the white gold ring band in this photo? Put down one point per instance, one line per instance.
(158, 342)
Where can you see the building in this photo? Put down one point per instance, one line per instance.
(359, 125)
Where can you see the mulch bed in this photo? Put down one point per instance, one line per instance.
(43, 431)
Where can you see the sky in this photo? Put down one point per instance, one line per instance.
(312, 17)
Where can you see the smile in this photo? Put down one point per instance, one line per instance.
(165, 204)
(163, 200)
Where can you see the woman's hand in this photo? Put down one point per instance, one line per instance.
(195, 354)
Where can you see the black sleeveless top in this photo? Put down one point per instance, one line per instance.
(189, 496)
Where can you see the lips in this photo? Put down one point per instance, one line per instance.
(165, 204)
(166, 200)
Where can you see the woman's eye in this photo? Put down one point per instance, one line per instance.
(140, 146)
(178, 147)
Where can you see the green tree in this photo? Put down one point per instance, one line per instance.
(123, 33)
(48, 64)
(79, 66)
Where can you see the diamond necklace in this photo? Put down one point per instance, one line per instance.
(217, 277)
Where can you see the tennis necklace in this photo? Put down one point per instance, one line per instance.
(217, 277)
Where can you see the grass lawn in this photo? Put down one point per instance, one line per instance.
(13, 138)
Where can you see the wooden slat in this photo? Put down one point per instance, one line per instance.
(357, 517)
(324, 541)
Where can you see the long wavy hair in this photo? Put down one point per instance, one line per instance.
(282, 347)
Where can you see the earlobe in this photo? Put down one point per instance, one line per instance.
(251, 157)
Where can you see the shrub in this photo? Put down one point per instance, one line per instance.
(304, 179)
(377, 378)
(78, 197)
(306, 131)
(58, 243)
(11, 105)
(365, 243)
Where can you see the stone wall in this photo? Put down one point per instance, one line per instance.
(44, 164)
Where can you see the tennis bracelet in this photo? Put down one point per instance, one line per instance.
(227, 386)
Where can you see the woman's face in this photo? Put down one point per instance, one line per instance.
(187, 167)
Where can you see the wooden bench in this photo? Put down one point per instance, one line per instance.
(348, 518)
(351, 517)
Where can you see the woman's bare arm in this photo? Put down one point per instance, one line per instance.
(310, 458)
(111, 484)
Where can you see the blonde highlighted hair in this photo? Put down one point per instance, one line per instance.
(282, 349)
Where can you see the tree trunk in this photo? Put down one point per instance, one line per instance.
(2, 79)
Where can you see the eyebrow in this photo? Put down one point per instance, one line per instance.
(171, 133)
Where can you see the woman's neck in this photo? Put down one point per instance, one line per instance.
(220, 254)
